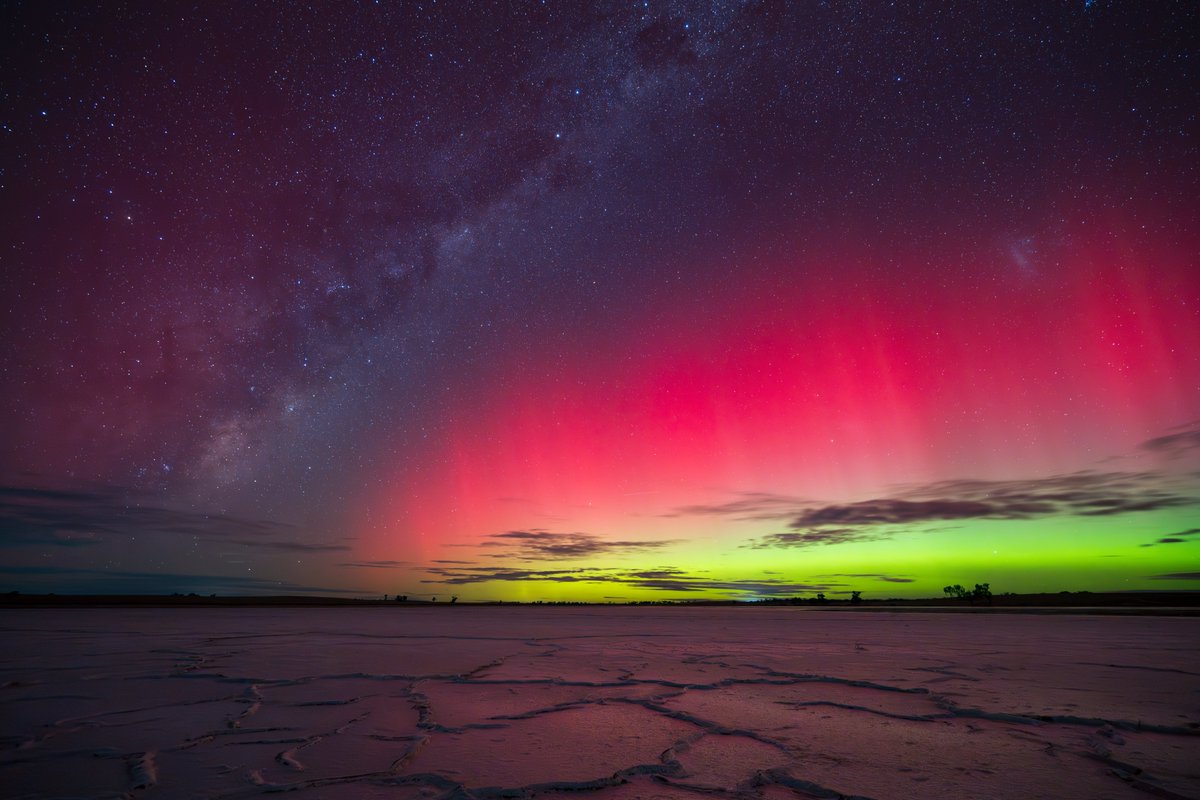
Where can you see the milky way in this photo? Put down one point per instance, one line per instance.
(640, 300)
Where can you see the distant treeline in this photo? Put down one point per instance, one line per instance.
(953, 599)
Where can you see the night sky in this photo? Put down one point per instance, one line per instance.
(600, 301)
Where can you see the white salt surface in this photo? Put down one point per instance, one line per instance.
(606, 703)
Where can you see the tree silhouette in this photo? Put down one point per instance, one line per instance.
(855, 597)
(982, 591)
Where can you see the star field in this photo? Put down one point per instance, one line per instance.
(369, 297)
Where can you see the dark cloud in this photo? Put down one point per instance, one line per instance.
(895, 512)
(17, 536)
(296, 547)
(375, 564)
(1175, 538)
(82, 580)
(1175, 445)
(1085, 493)
(748, 506)
(751, 588)
(1082, 494)
(663, 579)
(77, 518)
(113, 510)
(1150, 504)
(876, 575)
(655, 574)
(813, 538)
(1176, 576)
(466, 575)
(546, 545)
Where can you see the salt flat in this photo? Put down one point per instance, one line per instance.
(596, 702)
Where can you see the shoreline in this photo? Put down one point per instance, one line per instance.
(1106, 603)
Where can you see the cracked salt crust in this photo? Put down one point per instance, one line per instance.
(612, 704)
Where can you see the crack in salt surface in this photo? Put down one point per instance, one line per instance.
(1139, 666)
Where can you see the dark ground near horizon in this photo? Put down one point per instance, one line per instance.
(596, 703)
(1062, 602)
